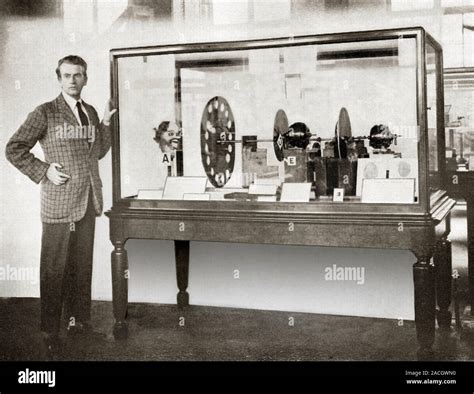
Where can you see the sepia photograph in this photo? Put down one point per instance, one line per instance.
(244, 187)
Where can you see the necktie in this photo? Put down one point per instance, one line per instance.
(83, 117)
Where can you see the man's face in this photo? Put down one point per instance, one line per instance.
(72, 79)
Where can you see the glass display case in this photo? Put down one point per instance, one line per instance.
(332, 140)
(306, 120)
(459, 126)
(459, 118)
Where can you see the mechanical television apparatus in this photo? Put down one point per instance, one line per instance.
(331, 140)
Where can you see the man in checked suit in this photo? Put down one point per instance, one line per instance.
(73, 140)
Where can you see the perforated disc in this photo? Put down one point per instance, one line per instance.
(343, 128)
(280, 127)
(217, 141)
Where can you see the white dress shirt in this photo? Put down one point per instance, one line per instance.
(72, 102)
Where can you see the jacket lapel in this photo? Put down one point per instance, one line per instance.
(71, 118)
(92, 123)
(66, 110)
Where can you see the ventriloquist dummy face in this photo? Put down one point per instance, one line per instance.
(168, 136)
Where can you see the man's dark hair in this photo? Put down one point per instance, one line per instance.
(72, 59)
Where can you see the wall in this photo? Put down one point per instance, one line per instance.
(271, 277)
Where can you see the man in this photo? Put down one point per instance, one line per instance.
(73, 141)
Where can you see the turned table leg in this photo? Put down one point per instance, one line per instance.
(120, 289)
(425, 308)
(182, 271)
(443, 267)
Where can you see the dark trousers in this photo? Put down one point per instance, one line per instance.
(66, 271)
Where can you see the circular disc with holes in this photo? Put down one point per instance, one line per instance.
(280, 127)
(343, 126)
(218, 141)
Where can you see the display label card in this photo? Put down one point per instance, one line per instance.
(386, 167)
(150, 194)
(338, 195)
(404, 168)
(370, 169)
(197, 196)
(388, 191)
(268, 190)
(295, 192)
(176, 187)
(216, 196)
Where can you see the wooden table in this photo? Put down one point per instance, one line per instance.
(425, 235)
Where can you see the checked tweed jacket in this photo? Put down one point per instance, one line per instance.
(49, 124)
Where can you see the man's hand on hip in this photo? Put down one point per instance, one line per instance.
(108, 113)
(55, 176)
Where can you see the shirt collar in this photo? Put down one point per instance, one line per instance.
(71, 102)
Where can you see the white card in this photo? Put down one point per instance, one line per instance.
(370, 169)
(388, 191)
(197, 196)
(176, 187)
(404, 168)
(295, 192)
(268, 190)
(338, 195)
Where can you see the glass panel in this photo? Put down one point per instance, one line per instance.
(459, 119)
(431, 97)
(307, 123)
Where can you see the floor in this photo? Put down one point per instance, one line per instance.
(165, 333)
(159, 332)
